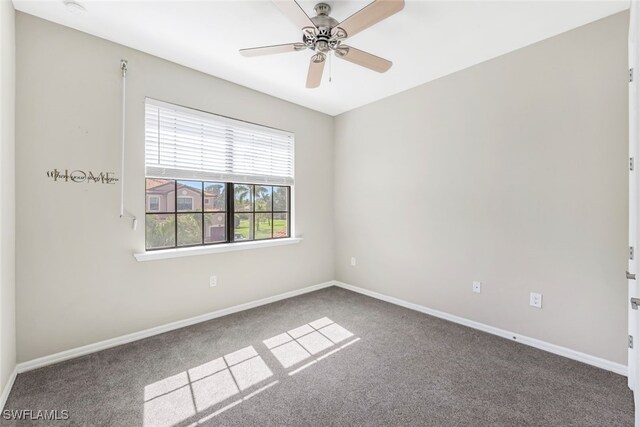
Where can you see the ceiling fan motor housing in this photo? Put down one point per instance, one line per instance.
(320, 38)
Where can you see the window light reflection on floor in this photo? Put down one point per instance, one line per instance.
(181, 396)
(301, 343)
(207, 387)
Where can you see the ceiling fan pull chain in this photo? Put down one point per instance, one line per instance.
(330, 68)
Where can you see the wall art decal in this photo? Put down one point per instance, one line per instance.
(79, 176)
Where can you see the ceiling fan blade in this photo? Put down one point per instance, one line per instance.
(269, 50)
(363, 59)
(316, 67)
(294, 12)
(367, 16)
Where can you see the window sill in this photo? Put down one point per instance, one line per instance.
(214, 249)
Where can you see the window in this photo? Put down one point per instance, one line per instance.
(214, 180)
(153, 203)
(260, 212)
(185, 203)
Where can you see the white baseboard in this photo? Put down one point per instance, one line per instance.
(542, 345)
(113, 342)
(7, 388)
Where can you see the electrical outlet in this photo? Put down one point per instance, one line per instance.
(476, 286)
(535, 300)
(213, 281)
(353, 261)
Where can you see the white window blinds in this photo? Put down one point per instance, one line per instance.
(182, 143)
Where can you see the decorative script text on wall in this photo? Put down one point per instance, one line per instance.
(79, 176)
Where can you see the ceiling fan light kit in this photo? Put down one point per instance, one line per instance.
(323, 34)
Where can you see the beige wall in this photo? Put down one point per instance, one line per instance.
(78, 282)
(512, 172)
(7, 192)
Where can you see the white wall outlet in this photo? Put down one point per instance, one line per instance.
(213, 281)
(535, 300)
(353, 261)
(476, 286)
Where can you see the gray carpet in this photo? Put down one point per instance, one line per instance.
(346, 360)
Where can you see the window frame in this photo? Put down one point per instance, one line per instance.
(168, 129)
(253, 212)
(229, 212)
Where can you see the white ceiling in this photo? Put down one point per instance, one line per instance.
(426, 40)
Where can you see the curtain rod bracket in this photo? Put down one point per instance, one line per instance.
(123, 67)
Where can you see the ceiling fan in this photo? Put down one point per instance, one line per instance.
(323, 34)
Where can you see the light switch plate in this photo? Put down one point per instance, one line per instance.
(535, 300)
(476, 286)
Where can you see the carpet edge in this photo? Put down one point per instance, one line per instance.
(146, 333)
(512, 336)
